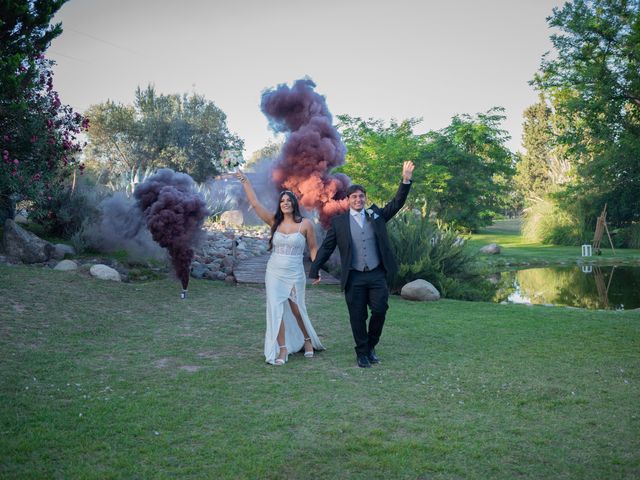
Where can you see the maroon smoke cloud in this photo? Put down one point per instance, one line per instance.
(311, 150)
(175, 214)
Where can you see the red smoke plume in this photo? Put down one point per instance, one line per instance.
(312, 148)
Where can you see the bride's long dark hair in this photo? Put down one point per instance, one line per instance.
(279, 216)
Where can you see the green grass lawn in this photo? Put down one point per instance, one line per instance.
(108, 380)
(517, 251)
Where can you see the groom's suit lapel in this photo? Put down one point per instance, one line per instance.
(345, 226)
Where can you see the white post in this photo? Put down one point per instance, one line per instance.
(586, 250)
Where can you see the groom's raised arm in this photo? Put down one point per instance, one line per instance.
(391, 208)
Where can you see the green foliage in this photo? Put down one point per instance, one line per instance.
(627, 237)
(532, 176)
(39, 136)
(461, 172)
(479, 167)
(594, 86)
(187, 133)
(25, 33)
(546, 222)
(434, 253)
(127, 181)
(217, 199)
(67, 209)
(375, 153)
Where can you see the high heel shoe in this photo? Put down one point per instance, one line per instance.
(309, 353)
(282, 361)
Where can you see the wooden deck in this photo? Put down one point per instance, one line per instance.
(252, 270)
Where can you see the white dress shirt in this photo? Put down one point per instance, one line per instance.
(358, 216)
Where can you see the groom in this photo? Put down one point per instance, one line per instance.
(367, 259)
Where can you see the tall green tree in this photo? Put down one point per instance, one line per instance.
(39, 136)
(472, 151)
(185, 132)
(594, 86)
(375, 152)
(533, 176)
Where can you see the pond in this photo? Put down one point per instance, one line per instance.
(586, 286)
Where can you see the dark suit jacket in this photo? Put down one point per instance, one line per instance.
(339, 235)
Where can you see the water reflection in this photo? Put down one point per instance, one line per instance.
(588, 286)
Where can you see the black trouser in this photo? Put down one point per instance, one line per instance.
(367, 289)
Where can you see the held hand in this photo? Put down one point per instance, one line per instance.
(317, 280)
(407, 170)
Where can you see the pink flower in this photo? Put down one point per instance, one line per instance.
(16, 161)
(34, 139)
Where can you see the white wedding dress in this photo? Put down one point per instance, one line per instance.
(285, 279)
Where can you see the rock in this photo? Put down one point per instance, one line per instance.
(198, 270)
(491, 249)
(210, 275)
(420, 290)
(66, 265)
(62, 249)
(103, 272)
(227, 264)
(25, 246)
(233, 218)
(20, 219)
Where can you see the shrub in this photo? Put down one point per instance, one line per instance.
(546, 223)
(66, 209)
(437, 254)
(628, 237)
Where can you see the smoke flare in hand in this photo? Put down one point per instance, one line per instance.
(312, 148)
(175, 214)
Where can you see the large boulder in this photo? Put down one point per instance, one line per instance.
(420, 290)
(104, 272)
(62, 249)
(232, 218)
(491, 249)
(24, 246)
(66, 266)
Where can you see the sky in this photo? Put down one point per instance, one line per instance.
(395, 59)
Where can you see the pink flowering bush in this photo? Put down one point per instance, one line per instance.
(40, 139)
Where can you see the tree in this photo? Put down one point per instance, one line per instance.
(594, 87)
(375, 153)
(462, 171)
(184, 132)
(39, 136)
(479, 168)
(533, 167)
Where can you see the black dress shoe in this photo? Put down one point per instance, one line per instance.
(373, 358)
(363, 361)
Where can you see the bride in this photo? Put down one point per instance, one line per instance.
(288, 326)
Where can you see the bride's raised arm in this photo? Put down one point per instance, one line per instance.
(262, 212)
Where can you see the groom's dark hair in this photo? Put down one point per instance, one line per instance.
(354, 188)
